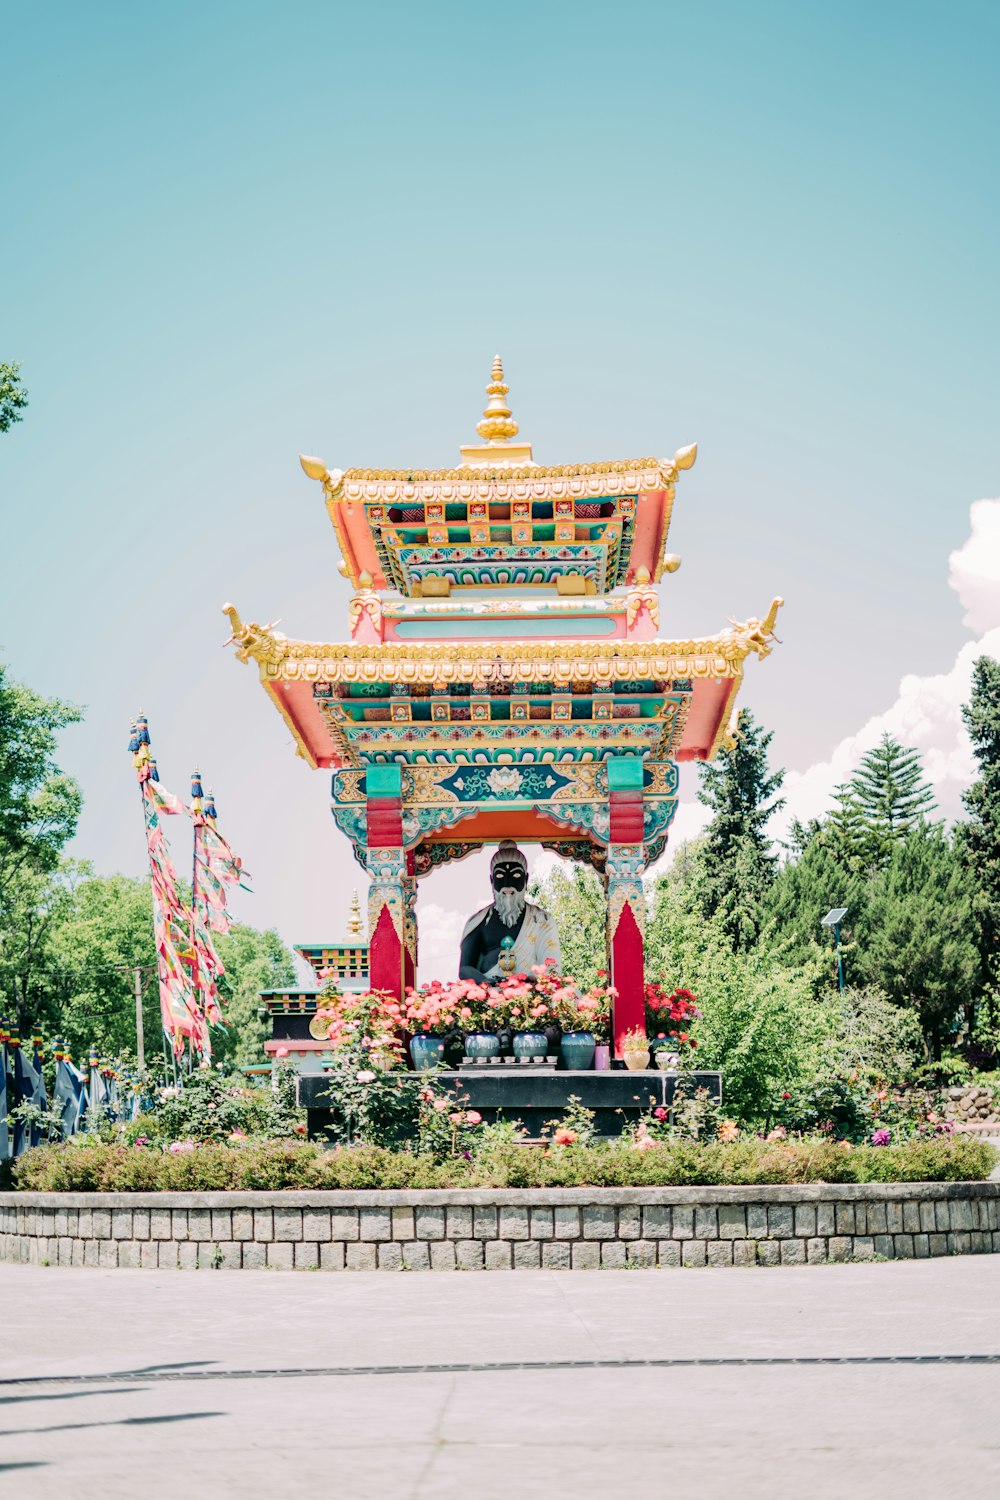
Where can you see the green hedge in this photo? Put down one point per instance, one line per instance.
(100, 1167)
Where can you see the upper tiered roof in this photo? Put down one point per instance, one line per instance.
(432, 681)
(499, 520)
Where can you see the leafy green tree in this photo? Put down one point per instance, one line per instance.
(873, 1037)
(577, 900)
(254, 961)
(737, 863)
(39, 806)
(979, 838)
(13, 396)
(760, 1022)
(32, 903)
(889, 793)
(916, 934)
(804, 890)
(104, 932)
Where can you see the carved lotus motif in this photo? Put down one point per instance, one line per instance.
(504, 781)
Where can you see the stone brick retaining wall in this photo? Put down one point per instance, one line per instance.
(483, 1229)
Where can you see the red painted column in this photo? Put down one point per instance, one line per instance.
(626, 901)
(626, 920)
(386, 860)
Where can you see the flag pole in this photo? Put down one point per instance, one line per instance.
(178, 1008)
(198, 819)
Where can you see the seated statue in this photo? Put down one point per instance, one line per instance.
(510, 935)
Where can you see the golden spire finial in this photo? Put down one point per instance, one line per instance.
(354, 924)
(497, 424)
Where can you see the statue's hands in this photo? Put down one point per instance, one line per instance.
(467, 972)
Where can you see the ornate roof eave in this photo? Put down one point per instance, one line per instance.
(346, 489)
(720, 656)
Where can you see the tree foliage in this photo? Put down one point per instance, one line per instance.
(916, 932)
(39, 806)
(575, 898)
(979, 838)
(737, 862)
(254, 961)
(885, 799)
(13, 396)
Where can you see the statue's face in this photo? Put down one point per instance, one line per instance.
(510, 875)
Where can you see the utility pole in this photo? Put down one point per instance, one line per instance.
(139, 1047)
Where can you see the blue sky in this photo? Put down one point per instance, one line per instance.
(238, 232)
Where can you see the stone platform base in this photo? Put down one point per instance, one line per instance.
(509, 1229)
(535, 1095)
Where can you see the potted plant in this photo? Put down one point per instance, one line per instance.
(585, 1020)
(665, 1054)
(668, 1019)
(524, 1006)
(432, 1016)
(635, 1049)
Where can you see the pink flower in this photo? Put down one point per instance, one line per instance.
(441, 1104)
(237, 1135)
(180, 1148)
(645, 1143)
(881, 1137)
(455, 1119)
(564, 1136)
(660, 1113)
(365, 1076)
(473, 1117)
(281, 1052)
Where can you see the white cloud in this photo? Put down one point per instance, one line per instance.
(974, 569)
(926, 713)
(439, 935)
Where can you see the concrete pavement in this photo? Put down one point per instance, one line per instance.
(186, 1416)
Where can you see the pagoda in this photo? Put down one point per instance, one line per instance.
(505, 677)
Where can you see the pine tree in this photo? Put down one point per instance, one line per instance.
(737, 861)
(804, 890)
(980, 836)
(890, 791)
(851, 837)
(916, 932)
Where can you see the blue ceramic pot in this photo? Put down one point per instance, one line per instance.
(481, 1044)
(426, 1052)
(530, 1044)
(578, 1048)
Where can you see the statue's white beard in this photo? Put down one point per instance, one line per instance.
(509, 904)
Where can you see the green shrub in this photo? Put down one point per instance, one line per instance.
(98, 1166)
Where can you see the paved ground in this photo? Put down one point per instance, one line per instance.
(184, 1419)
